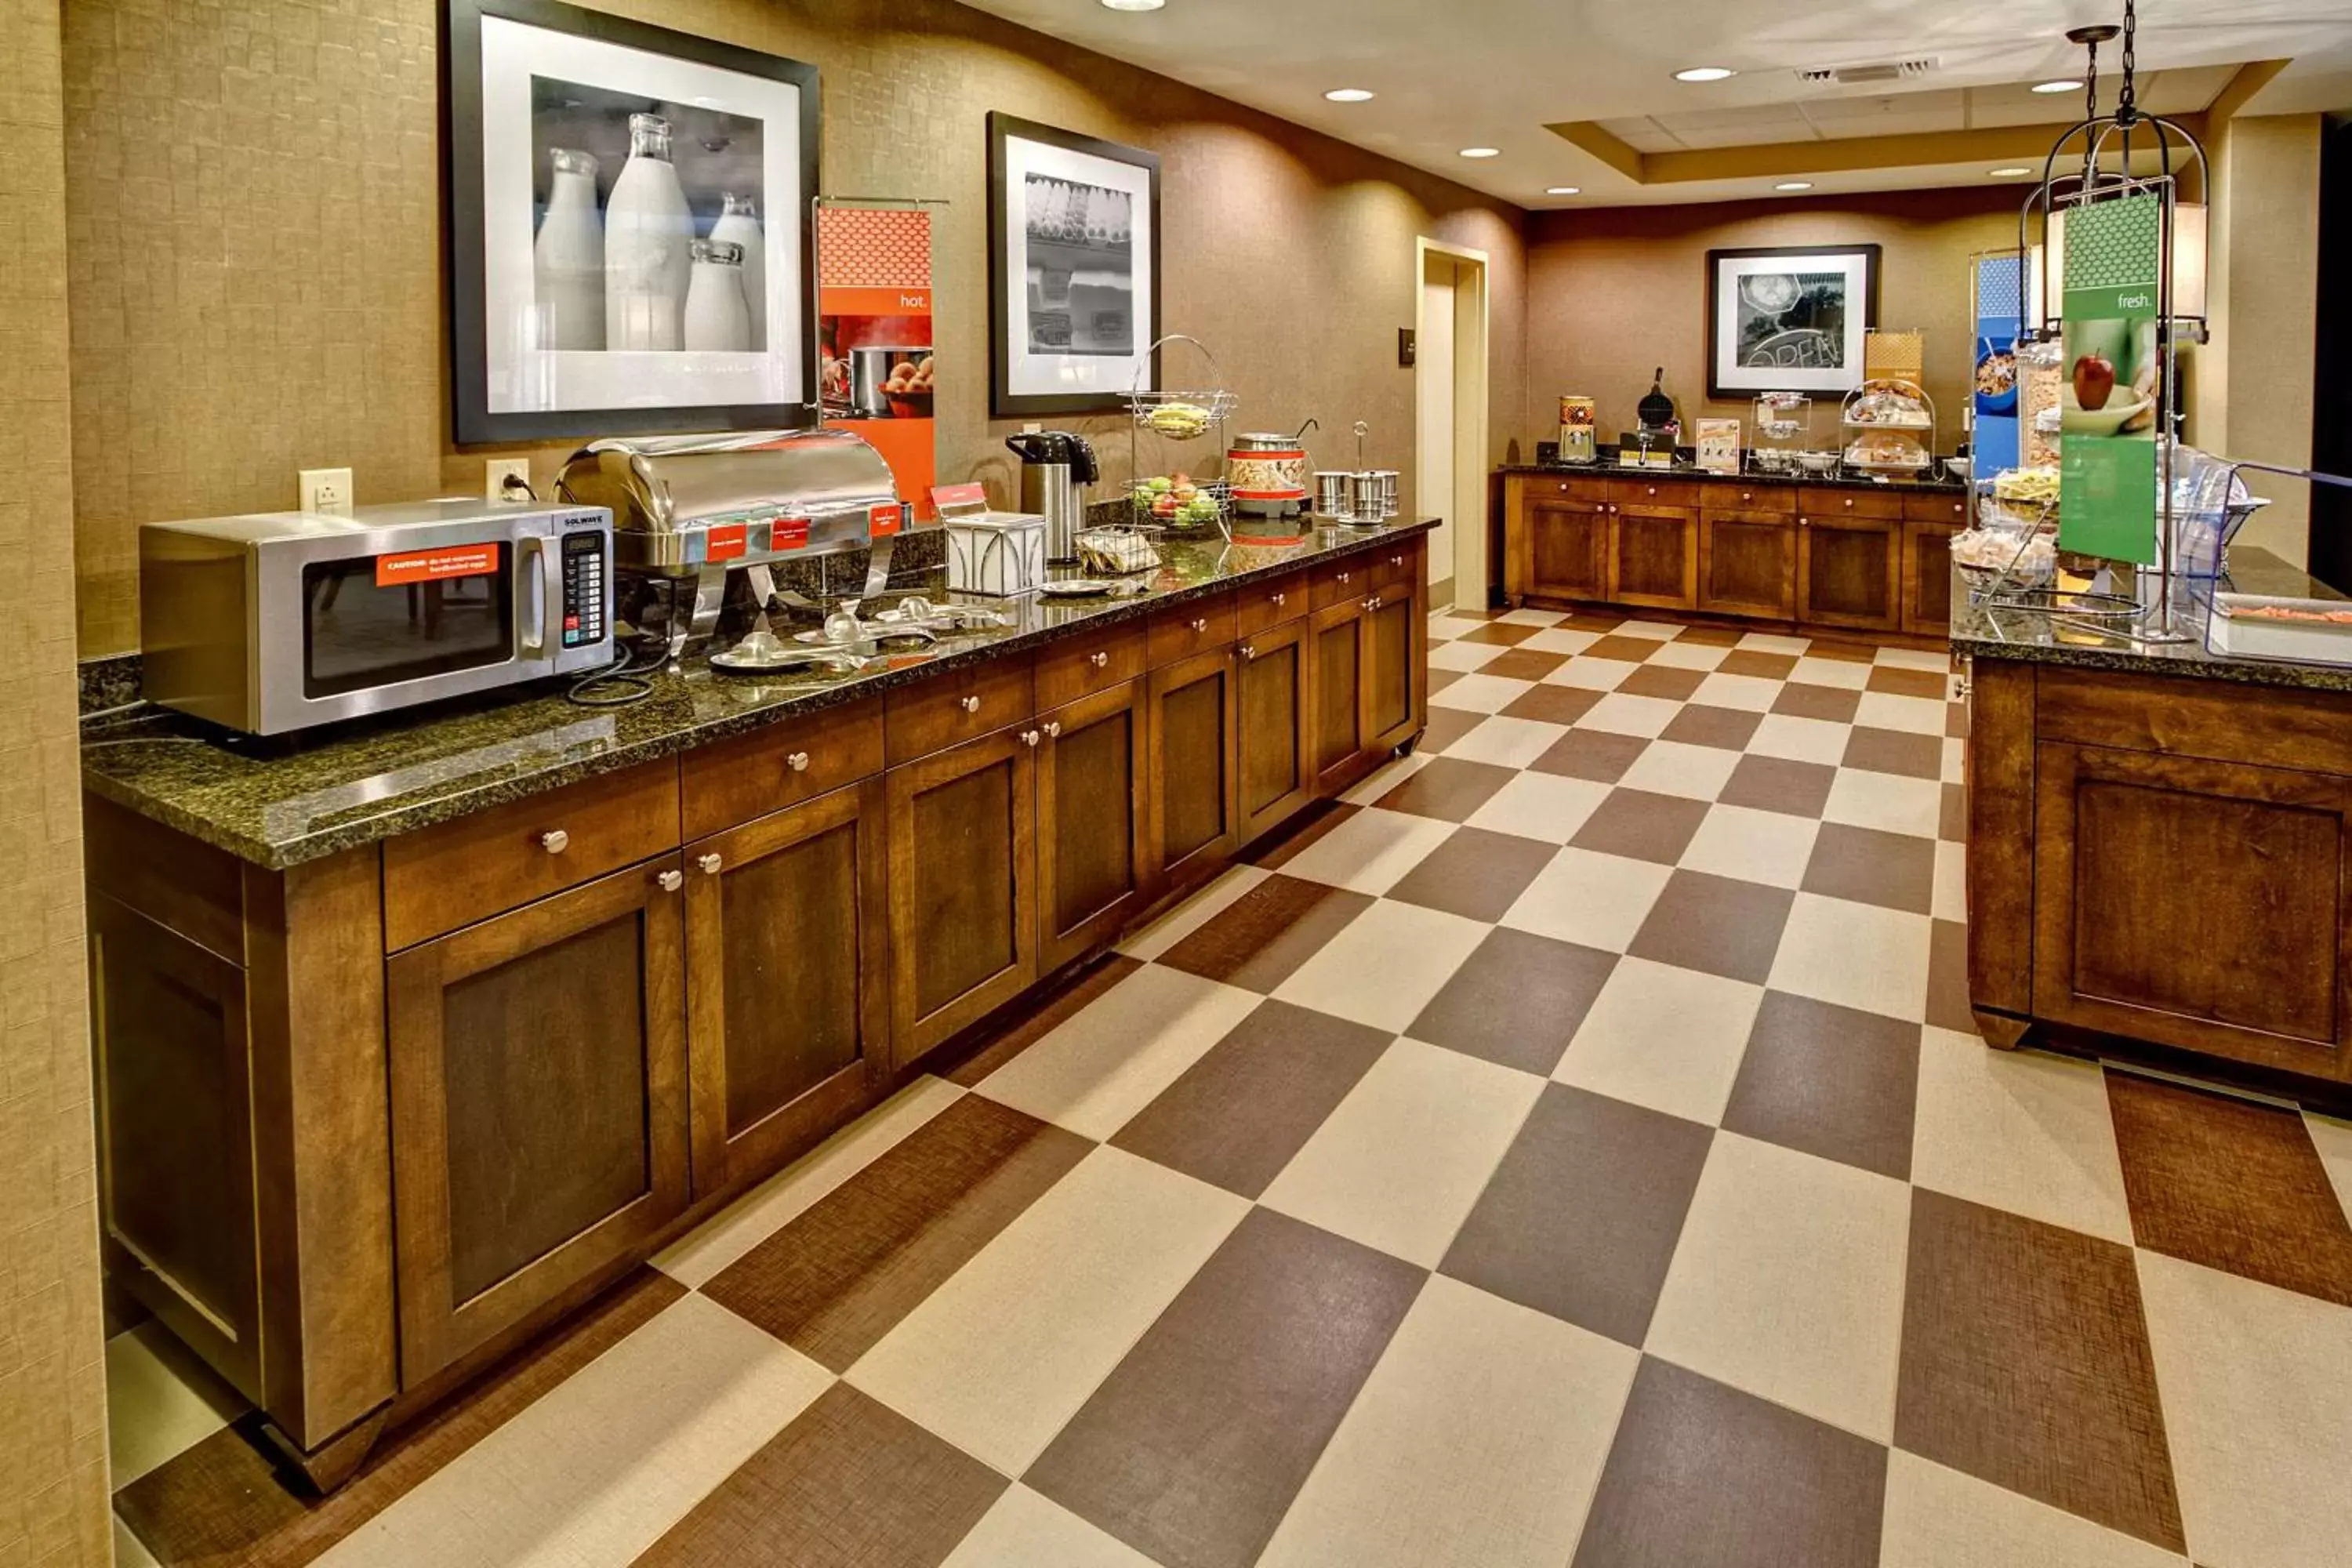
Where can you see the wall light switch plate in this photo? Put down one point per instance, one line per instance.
(1408, 350)
(495, 473)
(327, 491)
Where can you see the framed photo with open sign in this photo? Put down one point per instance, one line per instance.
(1073, 270)
(1789, 318)
(629, 226)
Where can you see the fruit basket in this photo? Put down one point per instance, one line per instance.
(1171, 484)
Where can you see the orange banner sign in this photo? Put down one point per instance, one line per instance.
(433, 565)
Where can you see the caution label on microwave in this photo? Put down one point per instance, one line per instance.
(433, 565)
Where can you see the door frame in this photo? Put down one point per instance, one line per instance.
(1466, 518)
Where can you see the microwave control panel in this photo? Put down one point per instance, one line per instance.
(584, 587)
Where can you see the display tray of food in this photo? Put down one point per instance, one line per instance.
(2261, 626)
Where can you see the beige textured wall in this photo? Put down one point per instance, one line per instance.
(256, 245)
(53, 1508)
(1613, 292)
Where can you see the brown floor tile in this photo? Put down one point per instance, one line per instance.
(1801, 700)
(1953, 824)
(1891, 870)
(1447, 725)
(1501, 634)
(1947, 978)
(1193, 1447)
(1893, 752)
(220, 1504)
(2231, 1184)
(1758, 665)
(1448, 788)
(1475, 874)
(1033, 1018)
(1716, 924)
(849, 1481)
(1642, 826)
(1311, 825)
(1552, 704)
(1702, 1474)
(1590, 755)
(1728, 729)
(1712, 637)
(1839, 647)
(1899, 683)
(1830, 1081)
(1257, 941)
(843, 1274)
(2025, 1363)
(1516, 999)
(1663, 680)
(1523, 664)
(1589, 620)
(1775, 783)
(1633, 650)
(1239, 1113)
(1582, 1217)
(1438, 680)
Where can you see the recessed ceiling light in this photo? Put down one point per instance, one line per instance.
(1705, 73)
(1562, 190)
(1794, 185)
(1134, 5)
(2068, 84)
(1349, 95)
(2009, 172)
(1481, 152)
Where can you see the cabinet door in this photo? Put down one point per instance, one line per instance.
(1748, 565)
(1849, 571)
(1396, 681)
(1276, 741)
(1340, 745)
(1568, 550)
(1091, 822)
(2135, 853)
(1195, 809)
(1652, 556)
(539, 1105)
(787, 1000)
(1928, 577)
(963, 887)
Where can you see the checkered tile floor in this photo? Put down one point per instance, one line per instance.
(1569, 1149)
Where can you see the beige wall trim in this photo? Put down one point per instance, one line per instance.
(2235, 94)
(2007, 143)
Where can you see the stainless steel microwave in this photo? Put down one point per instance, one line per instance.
(277, 621)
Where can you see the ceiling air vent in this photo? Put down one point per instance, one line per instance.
(1877, 71)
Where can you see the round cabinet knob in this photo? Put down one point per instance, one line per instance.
(1030, 737)
(1099, 660)
(1804, 522)
(1054, 729)
(1956, 509)
(555, 841)
(1279, 599)
(1849, 503)
(1377, 601)
(1396, 560)
(1654, 489)
(671, 881)
(711, 865)
(798, 761)
(1201, 625)
(1343, 576)
(969, 704)
(1747, 495)
(1249, 650)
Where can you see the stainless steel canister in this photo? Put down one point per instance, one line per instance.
(1331, 492)
(1364, 496)
(1386, 482)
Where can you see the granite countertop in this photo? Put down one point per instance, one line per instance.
(1938, 486)
(2034, 636)
(279, 803)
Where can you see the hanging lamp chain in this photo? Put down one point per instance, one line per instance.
(2126, 109)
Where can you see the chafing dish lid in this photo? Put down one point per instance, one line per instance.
(664, 484)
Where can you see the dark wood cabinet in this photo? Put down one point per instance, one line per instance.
(963, 888)
(1928, 577)
(1092, 827)
(1274, 768)
(1850, 572)
(1567, 548)
(1340, 745)
(1396, 690)
(1653, 555)
(539, 1105)
(788, 1000)
(1748, 565)
(1194, 805)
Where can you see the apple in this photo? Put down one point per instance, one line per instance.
(2094, 381)
(1164, 506)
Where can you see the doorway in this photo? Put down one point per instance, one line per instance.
(1450, 419)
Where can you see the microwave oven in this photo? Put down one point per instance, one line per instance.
(277, 621)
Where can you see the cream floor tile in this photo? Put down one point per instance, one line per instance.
(1591, 674)
(2333, 1139)
(1788, 1283)
(1771, 642)
(1564, 639)
(1915, 658)
(1371, 851)
(1464, 656)
(1658, 631)
(1663, 1036)
(1842, 673)
(161, 1400)
(130, 1551)
(2019, 1131)
(1768, 847)
(596, 1470)
(1507, 741)
(1399, 1164)
(1888, 801)
(1478, 1442)
(1096, 1070)
(1544, 807)
(1386, 777)
(1938, 1518)
(1193, 912)
(1857, 955)
(1384, 965)
(1956, 766)
(1525, 617)
(1024, 1529)
(1447, 626)
(699, 1257)
(1951, 896)
(1795, 740)
(1670, 767)
(1622, 713)
(1689, 655)
(1748, 693)
(1884, 711)
(997, 1359)
(1585, 897)
(1476, 693)
(2257, 1390)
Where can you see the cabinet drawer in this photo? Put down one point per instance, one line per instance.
(1776, 500)
(1089, 661)
(1193, 627)
(1350, 577)
(1592, 492)
(1935, 507)
(1269, 604)
(1396, 567)
(751, 775)
(1655, 493)
(439, 878)
(961, 705)
(1818, 500)
(2272, 727)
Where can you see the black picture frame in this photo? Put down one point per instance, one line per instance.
(1870, 255)
(1003, 401)
(465, 257)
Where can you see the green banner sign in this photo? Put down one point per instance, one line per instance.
(2111, 403)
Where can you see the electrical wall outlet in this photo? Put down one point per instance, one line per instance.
(327, 491)
(497, 470)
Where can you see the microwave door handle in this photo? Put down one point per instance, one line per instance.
(542, 593)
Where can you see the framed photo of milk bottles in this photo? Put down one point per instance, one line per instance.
(1073, 270)
(630, 227)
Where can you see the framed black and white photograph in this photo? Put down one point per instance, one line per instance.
(1073, 270)
(629, 226)
(1789, 318)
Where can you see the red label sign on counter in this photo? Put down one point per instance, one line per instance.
(944, 496)
(883, 520)
(433, 565)
(788, 533)
(726, 541)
